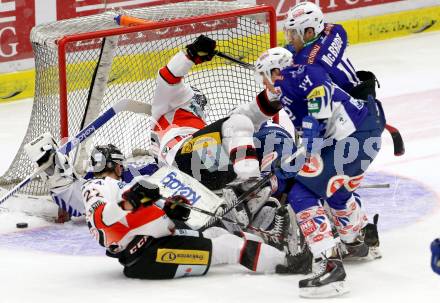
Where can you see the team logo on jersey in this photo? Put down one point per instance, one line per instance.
(317, 92)
(313, 53)
(202, 141)
(336, 183)
(182, 256)
(313, 167)
(353, 182)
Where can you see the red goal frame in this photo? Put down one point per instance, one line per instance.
(271, 20)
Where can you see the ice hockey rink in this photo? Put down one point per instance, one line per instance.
(61, 263)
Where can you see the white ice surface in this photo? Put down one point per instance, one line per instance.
(408, 70)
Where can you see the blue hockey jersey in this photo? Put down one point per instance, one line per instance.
(328, 50)
(308, 90)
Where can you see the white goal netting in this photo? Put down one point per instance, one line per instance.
(128, 62)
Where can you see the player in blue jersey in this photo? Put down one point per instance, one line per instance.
(314, 42)
(341, 136)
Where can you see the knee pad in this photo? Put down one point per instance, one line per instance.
(301, 198)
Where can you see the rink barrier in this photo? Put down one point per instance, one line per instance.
(20, 85)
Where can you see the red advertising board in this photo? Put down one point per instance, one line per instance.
(67, 9)
(17, 17)
(327, 6)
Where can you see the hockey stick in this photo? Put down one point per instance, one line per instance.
(398, 144)
(222, 218)
(235, 60)
(89, 130)
(380, 185)
(256, 187)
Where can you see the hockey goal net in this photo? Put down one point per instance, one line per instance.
(86, 64)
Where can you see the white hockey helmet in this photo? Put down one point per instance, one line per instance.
(277, 57)
(302, 16)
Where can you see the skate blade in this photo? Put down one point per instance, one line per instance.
(373, 254)
(331, 290)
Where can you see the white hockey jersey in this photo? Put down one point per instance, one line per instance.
(174, 111)
(113, 227)
(178, 116)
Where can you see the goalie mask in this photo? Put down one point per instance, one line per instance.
(104, 158)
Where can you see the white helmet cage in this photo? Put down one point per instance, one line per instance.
(277, 57)
(302, 16)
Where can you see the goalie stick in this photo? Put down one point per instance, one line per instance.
(85, 133)
(398, 144)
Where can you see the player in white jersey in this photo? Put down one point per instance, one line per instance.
(214, 154)
(65, 189)
(135, 224)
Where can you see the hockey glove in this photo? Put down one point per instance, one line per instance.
(201, 50)
(311, 134)
(142, 193)
(435, 260)
(175, 210)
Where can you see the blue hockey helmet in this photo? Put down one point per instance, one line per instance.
(272, 142)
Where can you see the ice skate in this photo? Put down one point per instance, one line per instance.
(328, 280)
(300, 263)
(279, 232)
(366, 248)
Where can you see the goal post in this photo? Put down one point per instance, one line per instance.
(84, 65)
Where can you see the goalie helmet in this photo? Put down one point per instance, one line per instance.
(302, 16)
(104, 158)
(277, 57)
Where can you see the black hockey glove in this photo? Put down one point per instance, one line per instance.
(142, 193)
(201, 50)
(175, 210)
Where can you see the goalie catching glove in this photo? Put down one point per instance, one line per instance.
(52, 166)
(201, 50)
